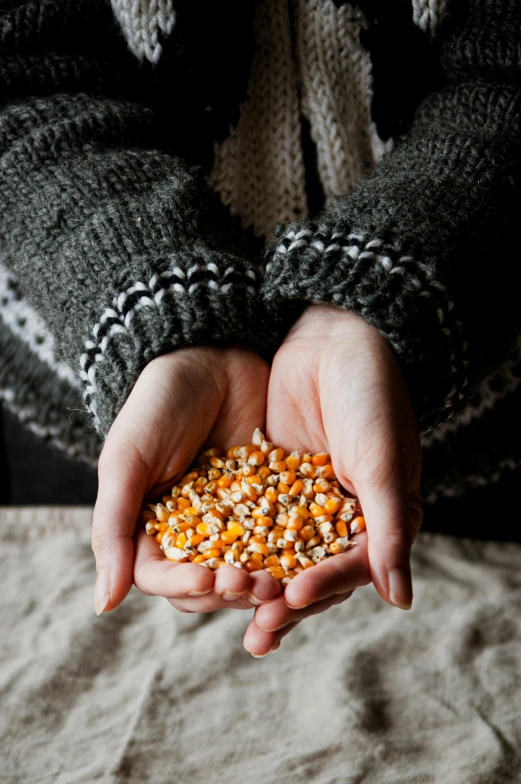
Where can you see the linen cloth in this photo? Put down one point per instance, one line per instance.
(362, 693)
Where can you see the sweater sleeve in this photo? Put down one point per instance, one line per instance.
(426, 247)
(118, 244)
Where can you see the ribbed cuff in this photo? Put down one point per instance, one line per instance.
(205, 298)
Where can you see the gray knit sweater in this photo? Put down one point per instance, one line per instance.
(185, 171)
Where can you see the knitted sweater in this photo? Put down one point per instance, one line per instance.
(178, 172)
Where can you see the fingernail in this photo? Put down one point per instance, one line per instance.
(199, 593)
(275, 648)
(230, 596)
(259, 655)
(400, 589)
(297, 606)
(101, 591)
(253, 600)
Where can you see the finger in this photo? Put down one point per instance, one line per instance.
(278, 615)
(121, 485)
(157, 576)
(384, 501)
(259, 643)
(338, 574)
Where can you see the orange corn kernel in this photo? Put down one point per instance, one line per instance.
(293, 461)
(257, 547)
(319, 459)
(357, 525)
(272, 560)
(301, 511)
(225, 481)
(257, 539)
(306, 458)
(332, 505)
(271, 494)
(252, 480)
(282, 488)
(256, 459)
(297, 487)
(257, 557)
(159, 536)
(184, 526)
(341, 528)
(295, 522)
(288, 477)
(191, 510)
(307, 533)
(326, 472)
(206, 529)
(288, 561)
(264, 472)
(188, 478)
(316, 510)
(196, 539)
(198, 559)
(277, 466)
(252, 566)
(183, 503)
(213, 552)
(277, 572)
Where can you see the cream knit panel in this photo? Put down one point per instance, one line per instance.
(259, 170)
(141, 22)
(334, 74)
(428, 14)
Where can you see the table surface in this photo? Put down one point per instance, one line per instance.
(362, 693)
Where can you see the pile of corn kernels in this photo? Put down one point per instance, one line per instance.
(256, 507)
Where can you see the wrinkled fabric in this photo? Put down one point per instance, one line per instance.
(363, 693)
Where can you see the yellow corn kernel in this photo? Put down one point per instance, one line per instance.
(257, 557)
(301, 511)
(264, 472)
(256, 459)
(181, 540)
(183, 503)
(316, 510)
(198, 559)
(194, 540)
(272, 560)
(332, 505)
(277, 466)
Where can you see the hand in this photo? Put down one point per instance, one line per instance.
(181, 402)
(335, 386)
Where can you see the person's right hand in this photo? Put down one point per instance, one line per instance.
(182, 402)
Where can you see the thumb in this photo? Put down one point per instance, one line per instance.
(384, 500)
(122, 479)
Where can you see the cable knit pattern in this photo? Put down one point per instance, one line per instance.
(142, 22)
(429, 14)
(259, 168)
(335, 87)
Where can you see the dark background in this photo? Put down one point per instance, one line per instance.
(31, 472)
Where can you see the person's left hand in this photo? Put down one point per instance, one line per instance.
(335, 386)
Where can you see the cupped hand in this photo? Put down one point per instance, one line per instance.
(181, 402)
(335, 386)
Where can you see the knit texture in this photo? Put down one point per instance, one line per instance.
(149, 149)
(408, 249)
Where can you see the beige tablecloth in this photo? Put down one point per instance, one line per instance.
(363, 694)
